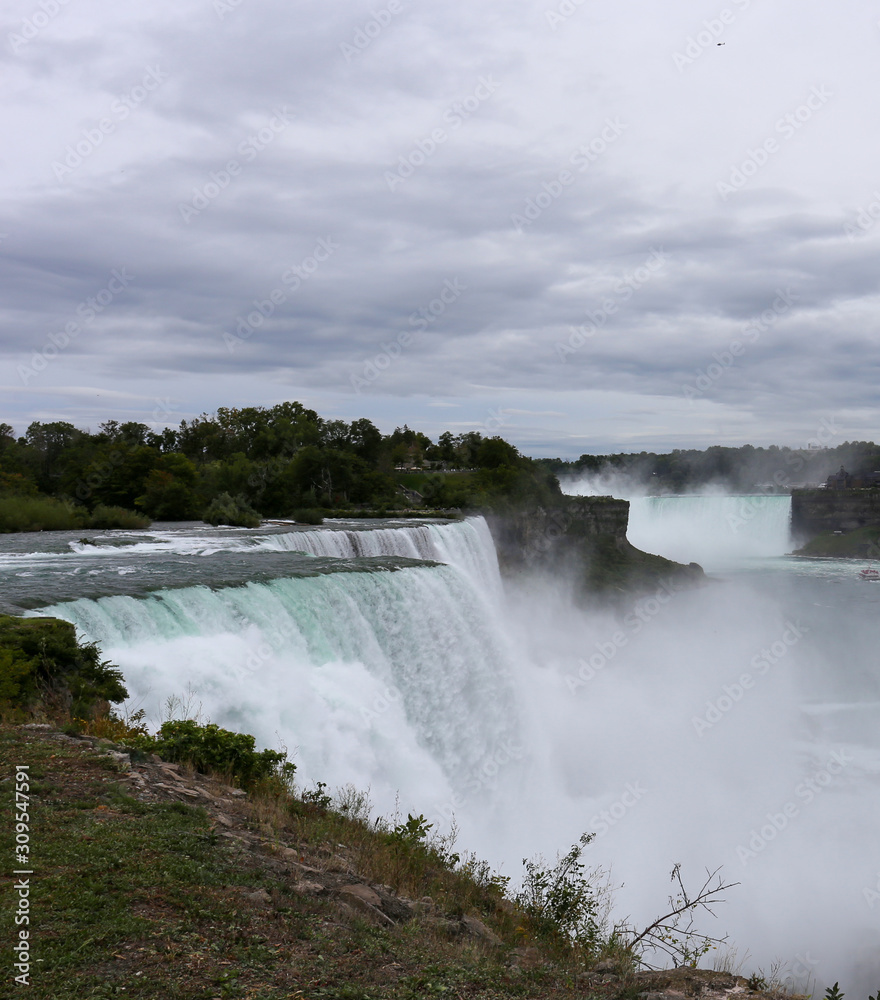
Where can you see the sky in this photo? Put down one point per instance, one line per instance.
(588, 227)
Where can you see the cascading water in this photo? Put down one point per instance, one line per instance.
(714, 529)
(711, 530)
(698, 726)
(368, 670)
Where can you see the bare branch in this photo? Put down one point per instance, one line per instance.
(706, 897)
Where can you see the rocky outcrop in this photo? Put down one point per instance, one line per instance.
(584, 537)
(531, 538)
(825, 511)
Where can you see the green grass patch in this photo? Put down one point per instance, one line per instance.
(863, 543)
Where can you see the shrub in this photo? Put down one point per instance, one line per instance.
(563, 902)
(210, 748)
(226, 509)
(40, 514)
(117, 517)
(307, 516)
(42, 665)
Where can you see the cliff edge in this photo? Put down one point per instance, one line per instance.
(584, 537)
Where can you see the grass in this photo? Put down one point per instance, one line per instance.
(149, 899)
(146, 900)
(49, 514)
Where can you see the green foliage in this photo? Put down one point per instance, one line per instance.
(39, 514)
(225, 509)
(745, 469)
(169, 493)
(42, 666)
(117, 517)
(212, 749)
(305, 516)
(834, 993)
(240, 464)
(863, 543)
(316, 796)
(413, 832)
(564, 900)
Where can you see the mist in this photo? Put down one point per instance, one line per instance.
(732, 725)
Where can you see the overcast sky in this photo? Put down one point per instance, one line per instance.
(586, 226)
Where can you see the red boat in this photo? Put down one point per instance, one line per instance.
(870, 574)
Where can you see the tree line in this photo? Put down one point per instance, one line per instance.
(270, 461)
(744, 469)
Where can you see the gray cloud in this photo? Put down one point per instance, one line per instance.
(535, 161)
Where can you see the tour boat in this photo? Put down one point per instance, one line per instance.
(870, 574)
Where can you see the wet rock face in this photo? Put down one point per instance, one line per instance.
(539, 537)
(583, 539)
(815, 512)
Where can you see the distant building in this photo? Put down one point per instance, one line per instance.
(842, 480)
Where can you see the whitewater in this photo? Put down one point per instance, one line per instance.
(732, 725)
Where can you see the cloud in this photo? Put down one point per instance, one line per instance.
(210, 148)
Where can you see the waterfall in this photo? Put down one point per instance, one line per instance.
(391, 679)
(466, 545)
(389, 656)
(711, 530)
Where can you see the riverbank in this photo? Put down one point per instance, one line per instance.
(148, 879)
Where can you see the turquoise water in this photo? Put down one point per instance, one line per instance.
(390, 656)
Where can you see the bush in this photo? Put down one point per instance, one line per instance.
(306, 516)
(117, 517)
(210, 748)
(40, 514)
(226, 509)
(42, 665)
(563, 902)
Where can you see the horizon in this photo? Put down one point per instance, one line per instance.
(816, 446)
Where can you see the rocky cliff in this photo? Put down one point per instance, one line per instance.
(584, 537)
(822, 511)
